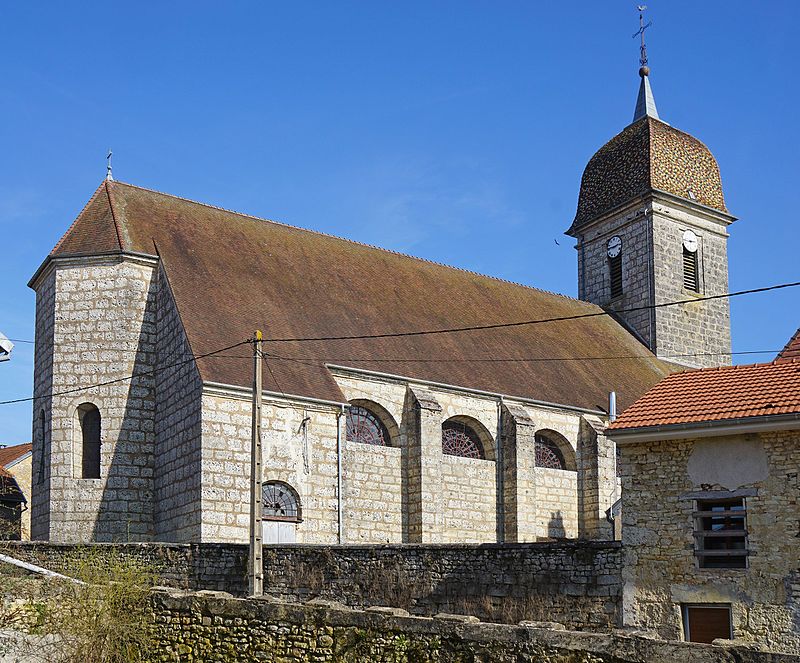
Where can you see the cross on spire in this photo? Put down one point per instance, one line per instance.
(109, 169)
(645, 103)
(640, 33)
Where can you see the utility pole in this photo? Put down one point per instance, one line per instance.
(255, 570)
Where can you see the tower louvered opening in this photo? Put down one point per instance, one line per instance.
(690, 275)
(615, 272)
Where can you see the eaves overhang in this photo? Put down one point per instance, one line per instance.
(87, 258)
(695, 429)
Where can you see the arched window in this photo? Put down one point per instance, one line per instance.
(459, 439)
(364, 427)
(89, 418)
(279, 501)
(548, 454)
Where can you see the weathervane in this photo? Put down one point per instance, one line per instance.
(640, 32)
(109, 175)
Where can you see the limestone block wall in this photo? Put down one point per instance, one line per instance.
(659, 479)
(632, 225)
(177, 481)
(22, 475)
(103, 329)
(372, 493)
(651, 230)
(556, 504)
(41, 434)
(469, 500)
(703, 327)
(299, 448)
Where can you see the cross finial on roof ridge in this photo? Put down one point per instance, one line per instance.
(109, 168)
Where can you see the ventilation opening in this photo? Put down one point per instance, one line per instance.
(690, 276)
(615, 270)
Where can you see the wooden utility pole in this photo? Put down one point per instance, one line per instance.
(255, 571)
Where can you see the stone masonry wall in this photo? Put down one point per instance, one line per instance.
(373, 493)
(575, 583)
(469, 499)
(557, 503)
(177, 426)
(652, 272)
(216, 627)
(660, 481)
(103, 329)
(299, 448)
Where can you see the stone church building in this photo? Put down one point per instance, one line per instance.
(142, 418)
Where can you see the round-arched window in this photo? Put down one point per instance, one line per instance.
(279, 501)
(548, 454)
(364, 427)
(458, 439)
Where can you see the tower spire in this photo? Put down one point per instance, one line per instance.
(645, 102)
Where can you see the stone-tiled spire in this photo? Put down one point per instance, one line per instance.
(645, 103)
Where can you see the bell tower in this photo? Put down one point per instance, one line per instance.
(651, 228)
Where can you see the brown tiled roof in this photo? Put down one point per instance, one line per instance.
(231, 274)
(717, 394)
(792, 349)
(648, 154)
(10, 454)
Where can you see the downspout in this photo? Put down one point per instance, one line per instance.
(500, 470)
(339, 511)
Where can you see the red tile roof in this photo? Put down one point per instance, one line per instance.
(717, 394)
(10, 454)
(792, 349)
(231, 273)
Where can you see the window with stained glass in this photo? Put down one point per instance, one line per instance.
(548, 454)
(458, 439)
(364, 427)
(279, 501)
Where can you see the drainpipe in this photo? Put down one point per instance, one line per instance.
(499, 465)
(340, 523)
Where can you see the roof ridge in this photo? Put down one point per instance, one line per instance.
(113, 214)
(75, 220)
(356, 242)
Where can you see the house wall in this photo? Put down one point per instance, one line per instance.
(22, 474)
(661, 571)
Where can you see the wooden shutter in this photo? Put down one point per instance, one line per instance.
(691, 279)
(615, 273)
(706, 624)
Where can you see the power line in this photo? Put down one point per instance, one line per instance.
(316, 360)
(501, 325)
(125, 378)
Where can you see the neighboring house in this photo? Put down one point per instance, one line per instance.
(16, 461)
(445, 437)
(711, 504)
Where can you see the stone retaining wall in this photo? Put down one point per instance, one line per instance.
(575, 583)
(203, 627)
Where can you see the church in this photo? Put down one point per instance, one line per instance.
(403, 400)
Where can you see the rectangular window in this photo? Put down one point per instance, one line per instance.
(706, 623)
(691, 280)
(720, 536)
(615, 273)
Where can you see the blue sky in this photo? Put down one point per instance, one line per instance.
(456, 131)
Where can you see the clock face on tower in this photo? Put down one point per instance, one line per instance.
(614, 246)
(689, 241)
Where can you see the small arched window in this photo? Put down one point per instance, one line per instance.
(363, 426)
(89, 419)
(279, 501)
(548, 453)
(459, 439)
